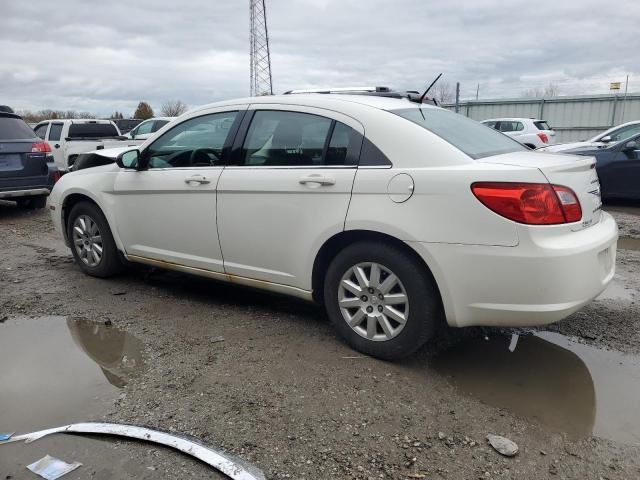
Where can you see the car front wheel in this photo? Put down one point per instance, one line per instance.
(91, 241)
(381, 300)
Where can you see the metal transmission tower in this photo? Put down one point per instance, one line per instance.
(260, 58)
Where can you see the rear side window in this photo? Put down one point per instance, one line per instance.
(510, 126)
(467, 135)
(344, 146)
(14, 128)
(542, 125)
(490, 124)
(55, 131)
(92, 130)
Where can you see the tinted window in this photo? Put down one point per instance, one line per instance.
(490, 124)
(55, 131)
(144, 128)
(195, 143)
(277, 138)
(92, 130)
(14, 128)
(625, 133)
(542, 125)
(344, 146)
(159, 124)
(467, 135)
(41, 130)
(509, 126)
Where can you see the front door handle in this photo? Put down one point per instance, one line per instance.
(316, 178)
(201, 179)
(57, 145)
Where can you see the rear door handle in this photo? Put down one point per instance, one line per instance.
(316, 178)
(201, 179)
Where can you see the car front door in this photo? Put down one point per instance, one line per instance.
(54, 138)
(624, 170)
(287, 191)
(166, 211)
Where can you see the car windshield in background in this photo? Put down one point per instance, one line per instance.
(542, 125)
(473, 138)
(14, 128)
(92, 130)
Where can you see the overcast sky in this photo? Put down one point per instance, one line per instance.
(101, 56)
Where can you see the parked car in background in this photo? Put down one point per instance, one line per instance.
(6, 109)
(611, 136)
(530, 132)
(618, 167)
(126, 124)
(312, 195)
(27, 171)
(147, 128)
(69, 138)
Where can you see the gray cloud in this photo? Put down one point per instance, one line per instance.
(106, 56)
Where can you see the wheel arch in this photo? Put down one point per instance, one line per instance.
(339, 241)
(72, 200)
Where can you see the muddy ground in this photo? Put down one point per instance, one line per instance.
(265, 378)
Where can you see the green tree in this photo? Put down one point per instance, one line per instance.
(144, 111)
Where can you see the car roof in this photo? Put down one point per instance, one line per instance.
(322, 100)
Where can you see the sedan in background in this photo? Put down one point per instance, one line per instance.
(147, 128)
(611, 136)
(530, 132)
(27, 169)
(618, 167)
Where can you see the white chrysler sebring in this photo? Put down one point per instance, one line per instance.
(395, 215)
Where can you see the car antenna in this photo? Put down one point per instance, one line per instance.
(429, 88)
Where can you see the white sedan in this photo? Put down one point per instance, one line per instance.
(396, 216)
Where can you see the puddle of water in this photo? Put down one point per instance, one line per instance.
(629, 243)
(57, 370)
(552, 380)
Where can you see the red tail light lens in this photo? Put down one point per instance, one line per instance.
(40, 147)
(530, 203)
(56, 176)
(543, 137)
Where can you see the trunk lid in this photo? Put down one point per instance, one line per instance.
(573, 171)
(19, 166)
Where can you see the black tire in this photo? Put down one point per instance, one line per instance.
(32, 203)
(424, 304)
(110, 262)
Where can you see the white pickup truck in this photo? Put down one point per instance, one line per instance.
(70, 138)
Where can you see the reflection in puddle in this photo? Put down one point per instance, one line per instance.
(629, 243)
(56, 370)
(552, 380)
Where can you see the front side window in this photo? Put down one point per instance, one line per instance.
(55, 131)
(197, 142)
(144, 128)
(625, 133)
(158, 124)
(463, 133)
(41, 130)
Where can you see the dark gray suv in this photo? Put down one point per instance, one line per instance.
(27, 171)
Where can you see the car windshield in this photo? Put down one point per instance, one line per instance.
(92, 130)
(14, 128)
(473, 138)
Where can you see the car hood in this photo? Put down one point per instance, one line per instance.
(112, 152)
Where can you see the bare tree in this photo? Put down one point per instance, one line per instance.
(444, 92)
(173, 108)
(551, 90)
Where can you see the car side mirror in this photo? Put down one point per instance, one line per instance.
(129, 159)
(606, 139)
(631, 145)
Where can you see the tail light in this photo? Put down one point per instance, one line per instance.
(56, 176)
(530, 203)
(543, 137)
(40, 147)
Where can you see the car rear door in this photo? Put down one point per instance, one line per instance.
(287, 191)
(23, 162)
(167, 211)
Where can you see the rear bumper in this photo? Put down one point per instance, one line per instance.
(27, 192)
(548, 276)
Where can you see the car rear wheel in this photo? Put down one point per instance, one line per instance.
(32, 203)
(381, 300)
(91, 241)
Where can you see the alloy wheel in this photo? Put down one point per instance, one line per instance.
(87, 240)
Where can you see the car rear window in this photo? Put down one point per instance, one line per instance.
(14, 128)
(542, 125)
(92, 130)
(473, 138)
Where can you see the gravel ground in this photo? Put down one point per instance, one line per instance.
(265, 378)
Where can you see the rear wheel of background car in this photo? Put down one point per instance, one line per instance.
(32, 202)
(381, 300)
(91, 241)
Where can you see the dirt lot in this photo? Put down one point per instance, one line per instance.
(265, 378)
